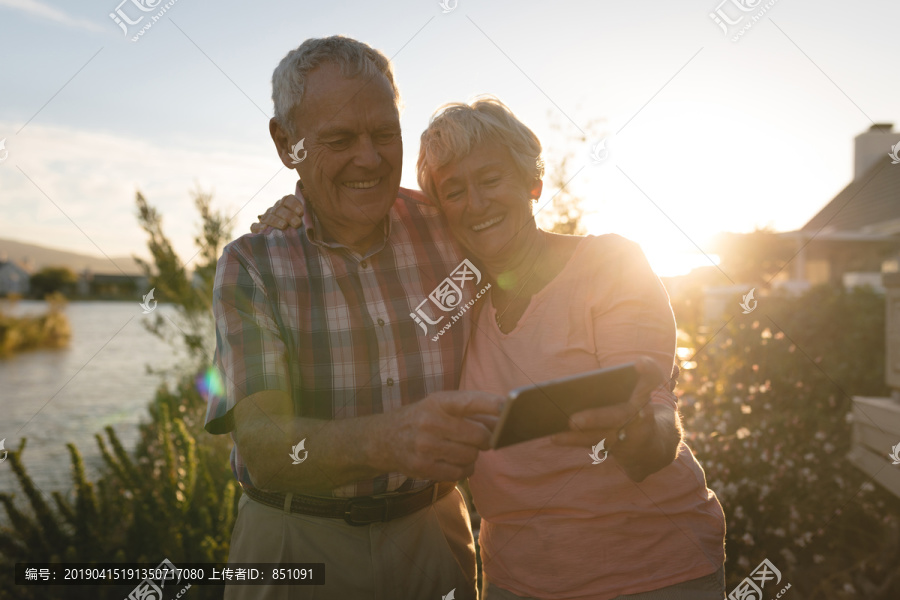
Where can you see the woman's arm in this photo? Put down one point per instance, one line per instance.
(632, 321)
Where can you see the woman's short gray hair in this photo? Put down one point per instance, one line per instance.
(455, 128)
(353, 57)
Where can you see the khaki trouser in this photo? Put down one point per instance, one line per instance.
(424, 555)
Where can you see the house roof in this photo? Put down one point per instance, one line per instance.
(869, 204)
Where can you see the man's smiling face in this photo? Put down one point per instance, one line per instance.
(351, 131)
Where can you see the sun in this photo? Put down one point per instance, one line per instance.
(669, 251)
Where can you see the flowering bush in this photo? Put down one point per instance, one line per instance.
(765, 411)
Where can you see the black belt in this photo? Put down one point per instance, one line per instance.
(362, 510)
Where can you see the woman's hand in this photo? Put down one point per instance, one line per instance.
(643, 437)
(286, 212)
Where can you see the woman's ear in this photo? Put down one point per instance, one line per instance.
(536, 189)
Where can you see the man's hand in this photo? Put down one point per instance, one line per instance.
(643, 437)
(440, 436)
(286, 212)
(436, 438)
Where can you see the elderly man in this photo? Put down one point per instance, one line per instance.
(348, 439)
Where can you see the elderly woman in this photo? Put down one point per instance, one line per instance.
(555, 524)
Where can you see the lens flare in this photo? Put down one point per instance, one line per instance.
(209, 384)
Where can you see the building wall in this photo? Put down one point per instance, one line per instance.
(13, 279)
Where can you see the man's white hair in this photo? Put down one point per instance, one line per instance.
(354, 58)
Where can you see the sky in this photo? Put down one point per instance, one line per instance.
(702, 133)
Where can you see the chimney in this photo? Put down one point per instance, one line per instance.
(872, 146)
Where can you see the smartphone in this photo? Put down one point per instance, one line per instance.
(536, 411)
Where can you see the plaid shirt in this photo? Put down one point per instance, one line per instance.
(336, 330)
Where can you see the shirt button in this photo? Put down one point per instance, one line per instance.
(364, 264)
(390, 382)
(381, 322)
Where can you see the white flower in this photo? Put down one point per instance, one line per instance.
(788, 555)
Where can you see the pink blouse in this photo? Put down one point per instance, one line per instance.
(554, 525)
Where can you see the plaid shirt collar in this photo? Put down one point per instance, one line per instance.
(317, 235)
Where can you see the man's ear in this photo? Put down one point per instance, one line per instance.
(536, 189)
(282, 143)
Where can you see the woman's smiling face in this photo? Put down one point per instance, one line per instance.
(487, 201)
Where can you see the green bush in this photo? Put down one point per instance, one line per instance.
(170, 497)
(765, 412)
(50, 330)
(176, 499)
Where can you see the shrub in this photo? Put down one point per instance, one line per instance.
(50, 330)
(765, 413)
(176, 499)
(171, 497)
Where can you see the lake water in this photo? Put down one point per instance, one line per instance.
(53, 397)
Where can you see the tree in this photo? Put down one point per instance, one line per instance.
(50, 280)
(566, 210)
(753, 257)
(168, 275)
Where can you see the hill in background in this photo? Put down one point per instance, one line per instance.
(38, 257)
